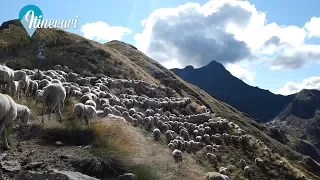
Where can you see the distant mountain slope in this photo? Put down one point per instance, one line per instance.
(221, 84)
(301, 122)
(303, 105)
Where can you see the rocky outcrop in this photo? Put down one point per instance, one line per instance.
(55, 174)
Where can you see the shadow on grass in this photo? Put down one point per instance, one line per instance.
(78, 137)
(101, 168)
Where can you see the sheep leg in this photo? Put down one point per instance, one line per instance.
(63, 104)
(43, 106)
(26, 91)
(9, 117)
(50, 111)
(59, 111)
(4, 136)
(87, 121)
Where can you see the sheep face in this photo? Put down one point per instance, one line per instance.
(26, 118)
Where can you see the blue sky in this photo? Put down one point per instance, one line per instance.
(130, 13)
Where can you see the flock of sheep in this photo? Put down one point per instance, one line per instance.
(144, 105)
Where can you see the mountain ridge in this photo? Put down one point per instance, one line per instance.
(221, 84)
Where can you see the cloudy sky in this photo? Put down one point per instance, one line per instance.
(272, 44)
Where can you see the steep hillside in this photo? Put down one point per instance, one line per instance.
(301, 122)
(221, 84)
(120, 60)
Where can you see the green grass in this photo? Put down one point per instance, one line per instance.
(145, 173)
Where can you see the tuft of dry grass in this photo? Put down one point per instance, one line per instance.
(112, 139)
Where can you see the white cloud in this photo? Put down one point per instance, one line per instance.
(295, 87)
(242, 72)
(297, 57)
(313, 27)
(101, 31)
(228, 31)
(173, 63)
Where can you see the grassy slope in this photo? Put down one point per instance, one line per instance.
(118, 60)
(169, 78)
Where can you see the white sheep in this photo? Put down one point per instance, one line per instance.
(223, 170)
(79, 111)
(247, 170)
(120, 108)
(211, 158)
(281, 163)
(72, 77)
(172, 146)
(23, 114)
(268, 151)
(215, 176)
(243, 163)
(132, 111)
(115, 111)
(7, 78)
(209, 148)
(187, 146)
(156, 134)
(85, 98)
(33, 87)
(8, 112)
(91, 103)
(57, 67)
(206, 138)
(169, 135)
(53, 97)
(65, 69)
(90, 113)
(38, 96)
(116, 118)
(107, 111)
(184, 133)
(86, 89)
(197, 146)
(56, 81)
(128, 118)
(198, 139)
(22, 88)
(100, 113)
(43, 83)
(177, 155)
(259, 162)
(19, 75)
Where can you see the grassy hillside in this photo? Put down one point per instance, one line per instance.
(119, 60)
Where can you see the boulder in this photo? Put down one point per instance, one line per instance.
(11, 166)
(71, 175)
(127, 176)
